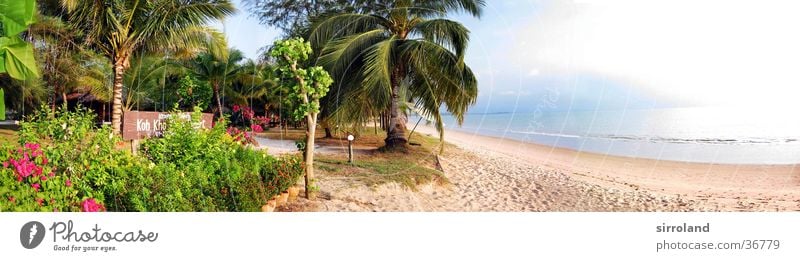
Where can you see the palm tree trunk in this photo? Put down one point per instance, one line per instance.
(116, 114)
(219, 101)
(396, 131)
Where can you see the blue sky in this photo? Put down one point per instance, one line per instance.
(617, 54)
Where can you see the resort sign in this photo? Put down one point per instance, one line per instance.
(145, 124)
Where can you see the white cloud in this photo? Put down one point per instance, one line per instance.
(709, 52)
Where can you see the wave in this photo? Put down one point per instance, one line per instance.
(561, 135)
(657, 139)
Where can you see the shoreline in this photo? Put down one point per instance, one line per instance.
(723, 186)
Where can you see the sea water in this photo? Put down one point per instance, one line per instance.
(709, 135)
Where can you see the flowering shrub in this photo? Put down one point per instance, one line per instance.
(241, 136)
(243, 113)
(202, 170)
(28, 182)
(90, 205)
(64, 163)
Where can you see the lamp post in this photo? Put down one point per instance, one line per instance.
(350, 139)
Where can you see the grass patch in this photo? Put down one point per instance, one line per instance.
(415, 166)
(9, 134)
(412, 167)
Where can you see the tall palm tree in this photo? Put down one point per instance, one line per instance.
(254, 85)
(120, 28)
(145, 81)
(67, 65)
(409, 48)
(218, 70)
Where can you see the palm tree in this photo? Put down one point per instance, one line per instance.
(409, 48)
(121, 28)
(67, 65)
(254, 85)
(146, 82)
(217, 70)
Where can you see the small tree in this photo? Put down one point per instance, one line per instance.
(307, 87)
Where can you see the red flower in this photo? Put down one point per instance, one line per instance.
(40, 201)
(90, 205)
(236, 108)
(36, 186)
(68, 183)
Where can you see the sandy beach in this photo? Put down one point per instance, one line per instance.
(494, 174)
(715, 186)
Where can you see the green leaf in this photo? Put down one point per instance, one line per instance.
(17, 59)
(16, 15)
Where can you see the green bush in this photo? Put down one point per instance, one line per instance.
(188, 169)
(61, 163)
(221, 174)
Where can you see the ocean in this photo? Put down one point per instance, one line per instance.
(702, 134)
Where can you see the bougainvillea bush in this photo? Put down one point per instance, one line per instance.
(60, 164)
(244, 123)
(65, 163)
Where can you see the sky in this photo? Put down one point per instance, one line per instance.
(618, 54)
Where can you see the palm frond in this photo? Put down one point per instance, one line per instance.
(342, 25)
(378, 66)
(340, 55)
(448, 33)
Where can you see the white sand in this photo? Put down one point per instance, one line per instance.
(491, 174)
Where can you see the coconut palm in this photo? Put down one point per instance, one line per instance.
(146, 82)
(411, 48)
(254, 85)
(67, 65)
(121, 28)
(218, 70)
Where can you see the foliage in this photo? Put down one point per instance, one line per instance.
(16, 55)
(64, 163)
(193, 93)
(292, 16)
(408, 51)
(67, 65)
(63, 159)
(217, 172)
(217, 70)
(307, 85)
(121, 28)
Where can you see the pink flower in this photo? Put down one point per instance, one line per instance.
(43, 178)
(40, 201)
(5, 164)
(32, 146)
(36, 186)
(68, 183)
(256, 128)
(90, 205)
(236, 108)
